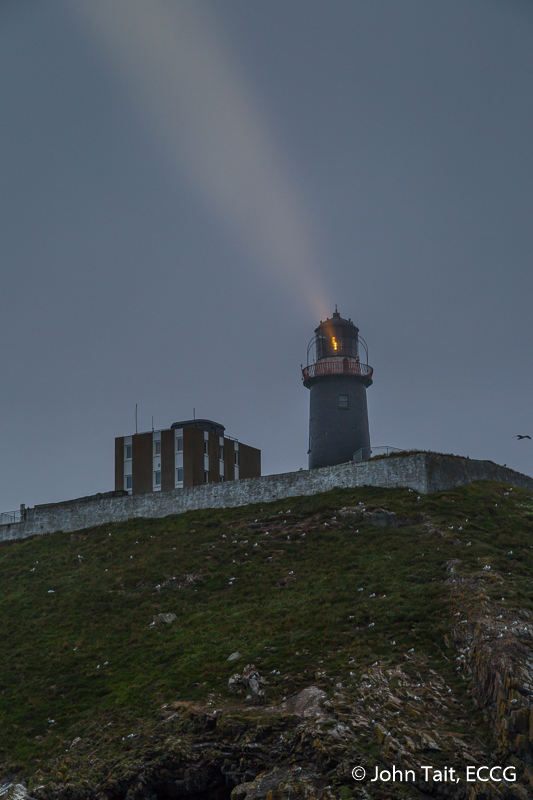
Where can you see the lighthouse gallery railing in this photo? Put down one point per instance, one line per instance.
(336, 366)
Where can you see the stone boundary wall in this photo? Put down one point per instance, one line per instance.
(447, 472)
(423, 472)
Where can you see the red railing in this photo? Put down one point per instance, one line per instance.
(336, 366)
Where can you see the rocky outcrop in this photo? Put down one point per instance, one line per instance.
(378, 517)
(14, 791)
(249, 681)
(283, 782)
(495, 654)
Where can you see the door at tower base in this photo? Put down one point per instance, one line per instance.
(337, 380)
(338, 421)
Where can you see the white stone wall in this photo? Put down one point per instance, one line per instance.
(422, 472)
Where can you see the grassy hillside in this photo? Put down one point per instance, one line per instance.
(308, 593)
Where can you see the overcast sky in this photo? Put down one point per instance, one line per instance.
(188, 187)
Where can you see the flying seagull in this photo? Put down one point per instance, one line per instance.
(519, 436)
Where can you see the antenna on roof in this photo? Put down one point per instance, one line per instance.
(152, 423)
(135, 417)
(194, 414)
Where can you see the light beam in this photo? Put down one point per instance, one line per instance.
(198, 100)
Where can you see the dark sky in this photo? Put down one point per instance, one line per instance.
(187, 187)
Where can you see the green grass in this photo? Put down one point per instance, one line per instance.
(77, 646)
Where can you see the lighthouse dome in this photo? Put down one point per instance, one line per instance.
(337, 337)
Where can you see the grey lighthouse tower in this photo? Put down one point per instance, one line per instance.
(337, 380)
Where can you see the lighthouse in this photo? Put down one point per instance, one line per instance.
(337, 380)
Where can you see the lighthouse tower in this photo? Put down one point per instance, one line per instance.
(337, 380)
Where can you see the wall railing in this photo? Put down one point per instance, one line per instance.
(368, 452)
(8, 517)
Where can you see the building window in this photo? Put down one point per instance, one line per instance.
(221, 453)
(157, 448)
(179, 444)
(221, 479)
(129, 482)
(206, 448)
(127, 452)
(206, 476)
(344, 401)
(179, 475)
(157, 478)
(236, 458)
